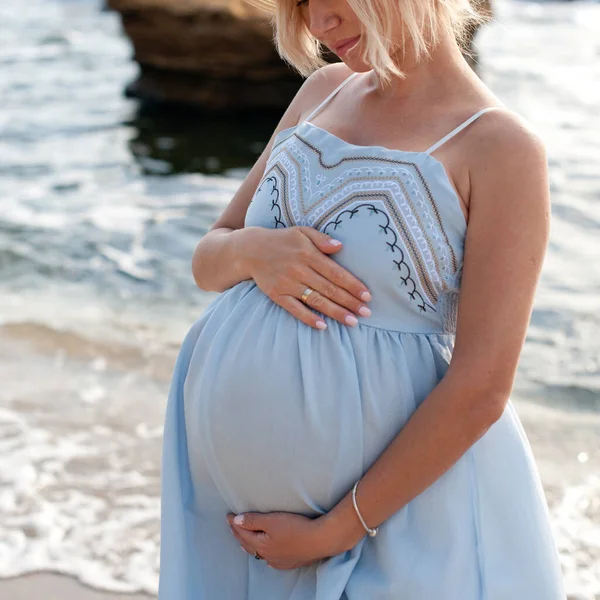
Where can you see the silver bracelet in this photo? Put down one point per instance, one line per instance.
(371, 532)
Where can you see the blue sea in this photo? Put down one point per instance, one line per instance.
(102, 204)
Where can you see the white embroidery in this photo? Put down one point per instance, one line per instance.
(301, 157)
(433, 226)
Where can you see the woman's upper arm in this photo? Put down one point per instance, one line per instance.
(505, 245)
(312, 91)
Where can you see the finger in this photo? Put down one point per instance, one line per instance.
(325, 306)
(340, 277)
(252, 521)
(339, 296)
(321, 240)
(251, 539)
(299, 310)
(245, 546)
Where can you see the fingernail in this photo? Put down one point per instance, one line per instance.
(238, 519)
(365, 296)
(364, 311)
(351, 321)
(335, 242)
(321, 325)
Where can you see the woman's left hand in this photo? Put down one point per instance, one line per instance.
(284, 540)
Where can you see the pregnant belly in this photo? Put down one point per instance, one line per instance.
(279, 415)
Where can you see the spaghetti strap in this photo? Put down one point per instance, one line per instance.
(460, 128)
(337, 89)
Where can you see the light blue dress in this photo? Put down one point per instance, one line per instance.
(266, 413)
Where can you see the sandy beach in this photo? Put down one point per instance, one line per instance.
(52, 585)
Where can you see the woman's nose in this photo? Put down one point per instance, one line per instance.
(321, 19)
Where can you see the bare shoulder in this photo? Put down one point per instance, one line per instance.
(320, 84)
(505, 155)
(503, 141)
(505, 133)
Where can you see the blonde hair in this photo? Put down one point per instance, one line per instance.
(423, 20)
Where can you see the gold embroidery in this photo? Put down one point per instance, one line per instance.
(391, 205)
(407, 198)
(386, 196)
(284, 186)
(390, 161)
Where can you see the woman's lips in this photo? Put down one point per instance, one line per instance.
(345, 46)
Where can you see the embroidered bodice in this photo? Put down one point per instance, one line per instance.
(396, 213)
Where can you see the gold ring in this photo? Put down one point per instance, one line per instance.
(307, 292)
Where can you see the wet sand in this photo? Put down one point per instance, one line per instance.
(52, 586)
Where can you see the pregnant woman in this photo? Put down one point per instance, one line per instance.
(339, 424)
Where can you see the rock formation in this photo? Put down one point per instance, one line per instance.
(215, 54)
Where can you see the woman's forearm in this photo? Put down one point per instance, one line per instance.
(447, 423)
(218, 260)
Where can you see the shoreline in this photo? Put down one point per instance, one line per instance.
(55, 586)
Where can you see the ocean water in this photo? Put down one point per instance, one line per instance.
(102, 206)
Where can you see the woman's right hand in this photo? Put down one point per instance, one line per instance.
(284, 262)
